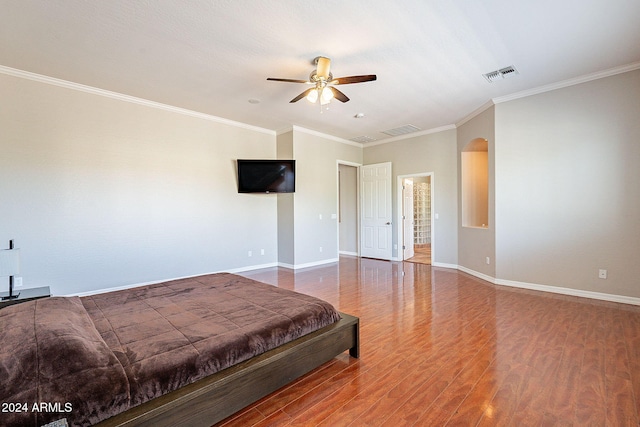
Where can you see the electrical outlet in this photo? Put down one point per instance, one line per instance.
(320, 248)
(261, 251)
(249, 253)
(602, 274)
(487, 260)
(17, 281)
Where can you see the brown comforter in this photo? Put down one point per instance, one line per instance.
(87, 359)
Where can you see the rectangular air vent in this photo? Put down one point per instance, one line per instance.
(362, 139)
(500, 74)
(401, 130)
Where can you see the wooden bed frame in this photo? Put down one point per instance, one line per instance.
(224, 393)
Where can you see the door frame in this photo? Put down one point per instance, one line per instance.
(407, 250)
(357, 166)
(399, 206)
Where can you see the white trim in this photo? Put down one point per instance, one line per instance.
(444, 265)
(476, 112)
(348, 253)
(357, 166)
(553, 289)
(309, 264)
(326, 136)
(570, 82)
(500, 282)
(249, 268)
(153, 282)
(127, 98)
(113, 289)
(348, 163)
(283, 131)
(569, 291)
(285, 265)
(410, 135)
(477, 274)
(399, 209)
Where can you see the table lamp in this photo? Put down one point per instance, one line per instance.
(9, 266)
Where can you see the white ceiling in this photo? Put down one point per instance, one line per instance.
(213, 56)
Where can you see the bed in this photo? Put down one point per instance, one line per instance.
(184, 352)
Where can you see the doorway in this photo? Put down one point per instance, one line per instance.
(348, 209)
(415, 210)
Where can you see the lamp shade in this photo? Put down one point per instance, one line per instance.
(9, 262)
(312, 97)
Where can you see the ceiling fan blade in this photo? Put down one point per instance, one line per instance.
(353, 79)
(287, 80)
(302, 95)
(323, 67)
(338, 95)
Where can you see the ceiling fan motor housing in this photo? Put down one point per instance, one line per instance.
(313, 77)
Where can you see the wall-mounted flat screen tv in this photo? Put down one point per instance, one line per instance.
(266, 176)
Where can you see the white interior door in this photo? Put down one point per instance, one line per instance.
(407, 218)
(376, 230)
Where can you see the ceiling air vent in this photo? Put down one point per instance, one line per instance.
(500, 74)
(401, 130)
(362, 139)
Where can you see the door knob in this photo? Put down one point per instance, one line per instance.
(388, 223)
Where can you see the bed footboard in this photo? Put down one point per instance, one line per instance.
(220, 395)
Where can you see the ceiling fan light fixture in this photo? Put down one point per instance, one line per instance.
(322, 82)
(326, 96)
(312, 97)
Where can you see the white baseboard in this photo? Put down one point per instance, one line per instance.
(113, 289)
(136, 285)
(569, 291)
(501, 282)
(252, 267)
(444, 265)
(348, 253)
(309, 264)
(477, 274)
(553, 289)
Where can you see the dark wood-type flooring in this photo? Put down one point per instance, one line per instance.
(440, 347)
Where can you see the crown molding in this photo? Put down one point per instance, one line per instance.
(126, 98)
(283, 131)
(476, 112)
(410, 135)
(326, 136)
(569, 82)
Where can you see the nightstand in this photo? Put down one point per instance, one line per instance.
(26, 295)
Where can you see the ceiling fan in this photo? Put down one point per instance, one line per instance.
(323, 82)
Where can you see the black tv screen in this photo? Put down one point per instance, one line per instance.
(266, 176)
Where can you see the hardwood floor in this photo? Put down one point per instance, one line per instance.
(421, 254)
(440, 347)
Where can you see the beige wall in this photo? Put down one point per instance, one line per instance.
(422, 154)
(568, 188)
(286, 248)
(98, 192)
(316, 195)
